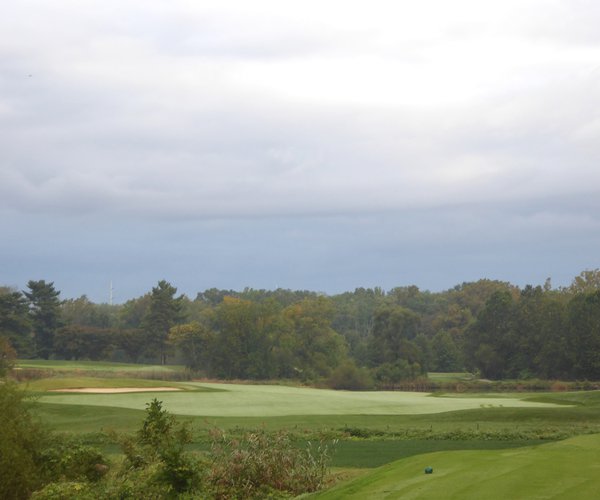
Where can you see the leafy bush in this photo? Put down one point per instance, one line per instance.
(31, 457)
(21, 444)
(142, 482)
(67, 459)
(359, 432)
(7, 356)
(350, 377)
(389, 375)
(61, 491)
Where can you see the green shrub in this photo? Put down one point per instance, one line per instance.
(156, 454)
(258, 465)
(7, 356)
(66, 459)
(62, 491)
(21, 443)
(359, 432)
(350, 377)
(143, 482)
(389, 375)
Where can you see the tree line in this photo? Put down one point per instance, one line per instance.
(363, 338)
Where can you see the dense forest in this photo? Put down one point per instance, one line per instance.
(360, 339)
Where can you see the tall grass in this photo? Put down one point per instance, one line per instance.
(30, 374)
(435, 384)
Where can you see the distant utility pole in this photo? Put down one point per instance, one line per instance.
(110, 296)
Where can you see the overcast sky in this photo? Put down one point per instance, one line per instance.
(319, 145)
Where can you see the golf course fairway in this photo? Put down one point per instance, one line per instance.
(244, 400)
(567, 469)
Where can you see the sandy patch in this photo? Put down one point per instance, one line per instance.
(116, 390)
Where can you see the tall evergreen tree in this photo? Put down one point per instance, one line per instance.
(164, 312)
(44, 311)
(14, 321)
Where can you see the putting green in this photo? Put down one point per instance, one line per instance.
(241, 400)
(568, 469)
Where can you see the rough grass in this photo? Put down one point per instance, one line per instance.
(58, 383)
(451, 376)
(568, 469)
(101, 366)
(29, 370)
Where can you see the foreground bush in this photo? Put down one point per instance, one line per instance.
(156, 465)
(21, 442)
(31, 457)
(259, 465)
(263, 465)
(64, 490)
(68, 460)
(35, 463)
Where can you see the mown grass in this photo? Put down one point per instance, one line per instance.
(372, 427)
(481, 425)
(368, 453)
(567, 469)
(389, 437)
(241, 400)
(89, 420)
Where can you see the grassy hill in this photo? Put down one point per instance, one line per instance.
(567, 469)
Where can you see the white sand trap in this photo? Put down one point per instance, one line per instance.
(116, 390)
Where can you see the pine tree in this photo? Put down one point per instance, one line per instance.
(164, 312)
(44, 311)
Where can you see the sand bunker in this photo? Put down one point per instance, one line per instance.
(116, 390)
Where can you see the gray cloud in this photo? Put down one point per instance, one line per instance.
(329, 131)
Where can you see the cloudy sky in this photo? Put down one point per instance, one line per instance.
(319, 145)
